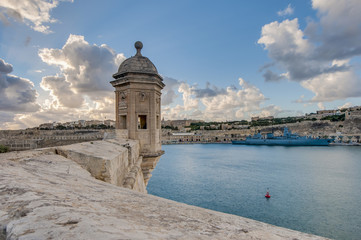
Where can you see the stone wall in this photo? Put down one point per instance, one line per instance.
(113, 161)
(44, 195)
(31, 139)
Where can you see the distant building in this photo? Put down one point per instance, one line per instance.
(180, 124)
(262, 118)
(355, 108)
(93, 122)
(325, 113)
(81, 123)
(109, 123)
(352, 114)
(46, 126)
(320, 112)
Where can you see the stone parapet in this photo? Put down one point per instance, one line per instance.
(113, 161)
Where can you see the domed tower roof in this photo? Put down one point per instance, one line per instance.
(136, 64)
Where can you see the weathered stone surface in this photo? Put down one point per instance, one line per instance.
(115, 161)
(47, 196)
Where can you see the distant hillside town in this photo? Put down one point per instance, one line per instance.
(187, 125)
(342, 125)
(80, 124)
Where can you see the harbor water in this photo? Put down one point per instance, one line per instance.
(313, 189)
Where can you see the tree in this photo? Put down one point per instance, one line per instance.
(60, 127)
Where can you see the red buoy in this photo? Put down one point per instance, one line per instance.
(267, 195)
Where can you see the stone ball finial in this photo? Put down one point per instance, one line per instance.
(138, 45)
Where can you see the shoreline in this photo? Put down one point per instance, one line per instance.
(330, 145)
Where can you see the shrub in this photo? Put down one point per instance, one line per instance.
(4, 149)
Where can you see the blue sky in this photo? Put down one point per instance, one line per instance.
(221, 60)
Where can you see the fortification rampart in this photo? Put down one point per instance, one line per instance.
(31, 139)
(65, 193)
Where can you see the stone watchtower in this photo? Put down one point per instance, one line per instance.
(138, 106)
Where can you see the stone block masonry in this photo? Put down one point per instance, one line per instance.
(113, 161)
(44, 195)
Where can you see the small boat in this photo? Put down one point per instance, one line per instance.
(267, 195)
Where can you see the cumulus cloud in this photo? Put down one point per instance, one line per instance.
(80, 90)
(34, 13)
(85, 72)
(287, 11)
(346, 105)
(5, 118)
(217, 104)
(169, 91)
(271, 110)
(62, 91)
(270, 76)
(209, 91)
(340, 24)
(318, 57)
(16, 93)
(333, 86)
(235, 103)
(190, 102)
(5, 68)
(321, 106)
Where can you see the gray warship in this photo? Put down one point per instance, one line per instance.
(288, 139)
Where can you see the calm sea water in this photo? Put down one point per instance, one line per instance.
(314, 189)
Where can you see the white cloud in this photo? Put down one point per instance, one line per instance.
(287, 11)
(169, 91)
(318, 57)
(34, 13)
(189, 100)
(334, 86)
(287, 45)
(16, 93)
(339, 28)
(321, 106)
(271, 110)
(235, 103)
(215, 104)
(81, 89)
(85, 72)
(61, 91)
(346, 105)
